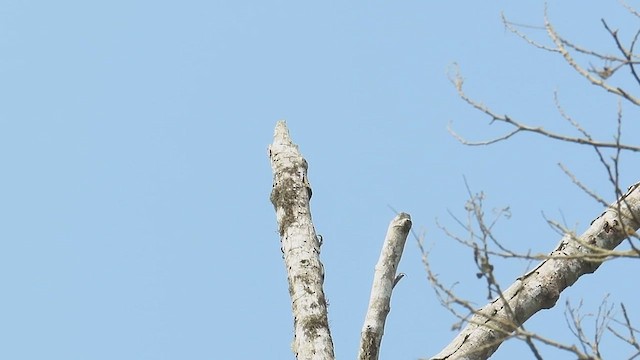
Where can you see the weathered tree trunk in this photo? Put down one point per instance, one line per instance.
(301, 248)
(541, 287)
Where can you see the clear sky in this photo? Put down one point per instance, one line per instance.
(135, 220)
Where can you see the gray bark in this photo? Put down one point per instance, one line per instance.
(384, 280)
(541, 287)
(290, 196)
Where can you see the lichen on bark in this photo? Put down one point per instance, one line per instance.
(300, 246)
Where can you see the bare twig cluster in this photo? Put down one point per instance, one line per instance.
(599, 76)
(483, 329)
(479, 237)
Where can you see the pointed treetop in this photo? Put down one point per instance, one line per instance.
(281, 134)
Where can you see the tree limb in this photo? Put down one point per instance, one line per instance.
(518, 126)
(384, 280)
(301, 248)
(541, 287)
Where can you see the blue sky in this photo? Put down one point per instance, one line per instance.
(136, 221)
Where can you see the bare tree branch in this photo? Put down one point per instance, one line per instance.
(630, 9)
(301, 248)
(540, 288)
(520, 127)
(384, 280)
(631, 340)
(628, 54)
(560, 46)
(582, 186)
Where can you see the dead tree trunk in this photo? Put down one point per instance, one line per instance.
(300, 247)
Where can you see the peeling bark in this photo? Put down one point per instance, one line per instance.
(290, 196)
(541, 287)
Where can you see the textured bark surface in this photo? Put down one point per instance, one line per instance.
(384, 280)
(290, 196)
(541, 287)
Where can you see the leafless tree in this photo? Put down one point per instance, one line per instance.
(482, 330)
